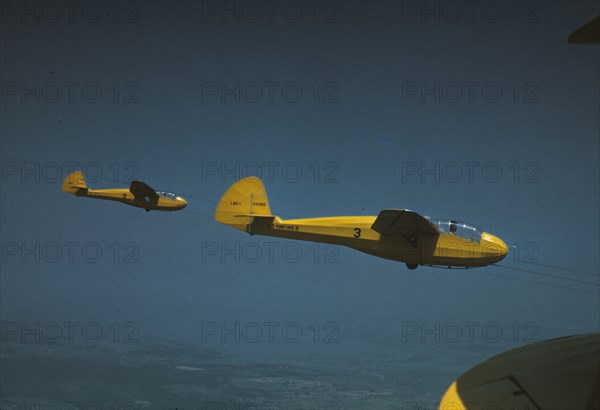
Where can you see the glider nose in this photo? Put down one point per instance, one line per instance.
(496, 248)
(182, 202)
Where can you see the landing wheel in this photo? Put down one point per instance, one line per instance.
(412, 266)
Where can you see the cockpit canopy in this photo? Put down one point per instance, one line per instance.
(457, 228)
(166, 194)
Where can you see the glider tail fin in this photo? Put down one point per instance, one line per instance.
(243, 202)
(74, 182)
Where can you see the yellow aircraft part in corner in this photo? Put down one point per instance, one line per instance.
(562, 373)
(396, 234)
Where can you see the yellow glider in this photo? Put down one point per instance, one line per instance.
(396, 234)
(139, 194)
(561, 373)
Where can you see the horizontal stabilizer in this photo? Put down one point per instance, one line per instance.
(260, 219)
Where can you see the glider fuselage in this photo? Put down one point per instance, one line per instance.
(396, 234)
(355, 232)
(125, 196)
(139, 194)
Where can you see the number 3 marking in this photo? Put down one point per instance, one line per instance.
(357, 232)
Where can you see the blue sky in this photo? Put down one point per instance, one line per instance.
(396, 106)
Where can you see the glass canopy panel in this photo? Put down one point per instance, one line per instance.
(166, 194)
(457, 228)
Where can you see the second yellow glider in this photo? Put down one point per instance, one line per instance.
(139, 194)
(396, 234)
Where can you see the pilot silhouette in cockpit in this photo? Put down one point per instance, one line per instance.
(452, 227)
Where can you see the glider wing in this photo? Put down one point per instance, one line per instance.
(143, 192)
(403, 222)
